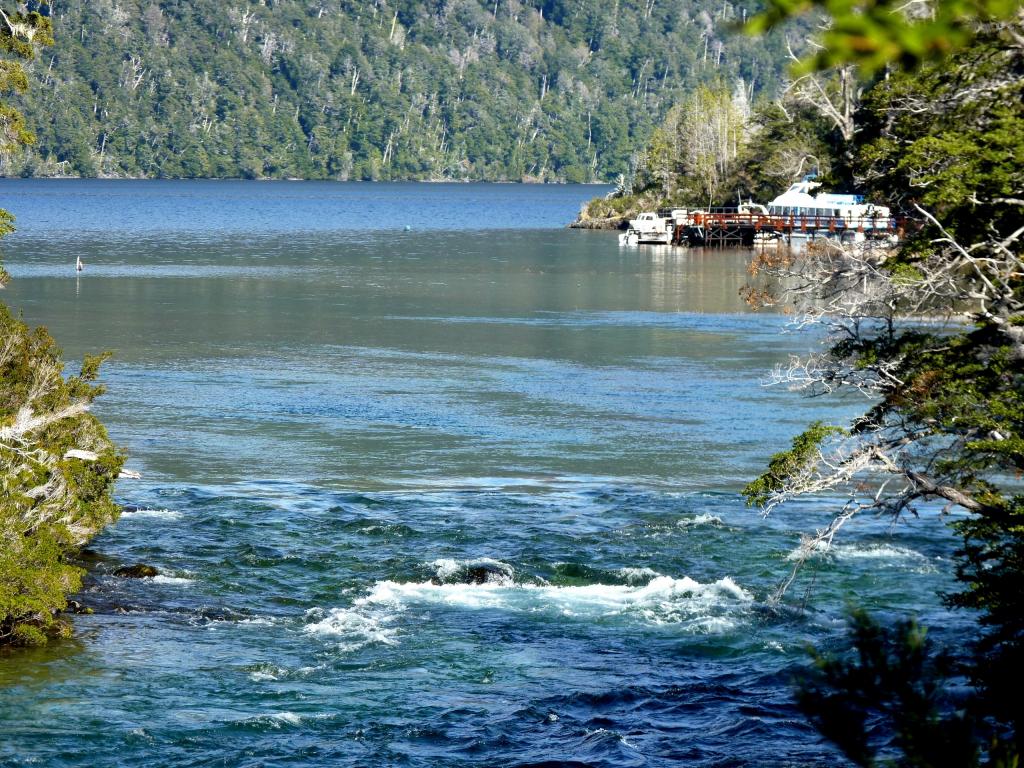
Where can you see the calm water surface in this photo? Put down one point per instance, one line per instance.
(348, 401)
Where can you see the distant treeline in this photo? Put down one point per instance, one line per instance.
(554, 90)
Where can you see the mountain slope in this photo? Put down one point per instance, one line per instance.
(483, 89)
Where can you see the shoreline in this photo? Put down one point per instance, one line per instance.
(609, 224)
(263, 179)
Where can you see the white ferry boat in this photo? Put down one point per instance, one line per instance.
(816, 212)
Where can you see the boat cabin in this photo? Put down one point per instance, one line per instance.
(798, 201)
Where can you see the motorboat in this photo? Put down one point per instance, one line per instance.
(649, 228)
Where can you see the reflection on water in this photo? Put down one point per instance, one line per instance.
(331, 290)
(701, 280)
(399, 358)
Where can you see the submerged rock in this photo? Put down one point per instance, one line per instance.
(482, 571)
(74, 606)
(137, 571)
(86, 556)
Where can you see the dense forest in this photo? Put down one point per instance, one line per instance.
(545, 90)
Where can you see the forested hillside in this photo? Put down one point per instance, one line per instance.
(346, 89)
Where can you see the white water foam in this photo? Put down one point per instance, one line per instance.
(164, 579)
(883, 552)
(275, 720)
(273, 672)
(697, 608)
(261, 621)
(876, 552)
(638, 575)
(663, 600)
(161, 514)
(353, 628)
(604, 733)
(267, 672)
(817, 549)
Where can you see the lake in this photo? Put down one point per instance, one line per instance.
(431, 481)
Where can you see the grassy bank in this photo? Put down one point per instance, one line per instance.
(615, 212)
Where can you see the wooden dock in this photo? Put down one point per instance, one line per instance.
(730, 227)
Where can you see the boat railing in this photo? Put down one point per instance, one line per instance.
(788, 223)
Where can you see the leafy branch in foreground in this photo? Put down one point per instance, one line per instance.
(932, 334)
(784, 467)
(875, 33)
(892, 687)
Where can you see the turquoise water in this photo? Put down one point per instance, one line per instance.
(350, 404)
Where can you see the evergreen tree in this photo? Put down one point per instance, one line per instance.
(57, 466)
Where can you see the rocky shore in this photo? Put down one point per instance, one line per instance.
(615, 212)
(605, 223)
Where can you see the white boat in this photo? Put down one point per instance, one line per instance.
(845, 215)
(648, 227)
(752, 208)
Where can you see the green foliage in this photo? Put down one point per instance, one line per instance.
(49, 504)
(890, 692)
(877, 33)
(397, 89)
(990, 566)
(618, 209)
(961, 393)
(783, 467)
(692, 156)
(930, 138)
(34, 579)
(6, 227)
(941, 142)
(20, 32)
(784, 146)
(925, 143)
